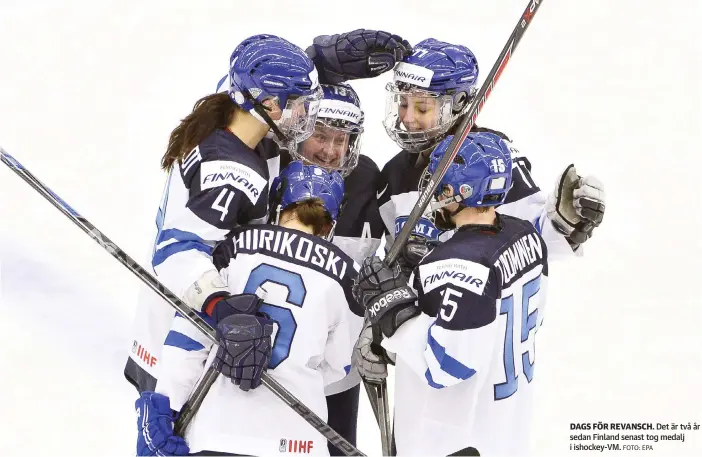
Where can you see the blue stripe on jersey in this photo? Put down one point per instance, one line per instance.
(446, 362)
(180, 341)
(430, 380)
(209, 319)
(347, 369)
(537, 224)
(185, 241)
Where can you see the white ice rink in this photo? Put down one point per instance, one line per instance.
(90, 90)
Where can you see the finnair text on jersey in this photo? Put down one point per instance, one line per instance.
(523, 254)
(462, 273)
(294, 246)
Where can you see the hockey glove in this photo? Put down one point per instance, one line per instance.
(384, 293)
(356, 55)
(414, 251)
(155, 424)
(369, 358)
(576, 206)
(245, 349)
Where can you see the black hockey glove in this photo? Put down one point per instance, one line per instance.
(223, 307)
(384, 293)
(356, 55)
(245, 348)
(576, 206)
(414, 251)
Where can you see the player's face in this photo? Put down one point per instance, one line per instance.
(326, 147)
(418, 113)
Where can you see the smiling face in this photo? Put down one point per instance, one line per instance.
(418, 113)
(326, 147)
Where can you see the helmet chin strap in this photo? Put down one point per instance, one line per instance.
(261, 113)
(329, 236)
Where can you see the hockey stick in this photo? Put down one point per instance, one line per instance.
(170, 298)
(461, 133)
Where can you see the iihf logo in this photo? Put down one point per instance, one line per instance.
(296, 446)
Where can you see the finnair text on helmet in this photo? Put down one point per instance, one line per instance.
(410, 76)
(337, 112)
(413, 74)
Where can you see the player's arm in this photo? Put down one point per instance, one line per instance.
(183, 358)
(566, 217)
(345, 326)
(222, 193)
(386, 206)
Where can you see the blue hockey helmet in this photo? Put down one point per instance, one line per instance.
(431, 88)
(480, 175)
(266, 66)
(299, 182)
(336, 141)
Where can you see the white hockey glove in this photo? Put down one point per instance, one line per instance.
(576, 206)
(372, 367)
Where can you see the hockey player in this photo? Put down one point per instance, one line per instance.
(336, 145)
(307, 284)
(206, 202)
(217, 180)
(431, 92)
(464, 344)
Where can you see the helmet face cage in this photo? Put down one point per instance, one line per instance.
(333, 146)
(336, 142)
(267, 67)
(416, 118)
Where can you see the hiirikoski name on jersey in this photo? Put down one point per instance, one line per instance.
(295, 246)
(424, 228)
(520, 256)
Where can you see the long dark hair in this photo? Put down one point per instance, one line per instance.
(211, 112)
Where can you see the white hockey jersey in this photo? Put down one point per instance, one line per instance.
(308, 284)
(465, 366)
(398, 193)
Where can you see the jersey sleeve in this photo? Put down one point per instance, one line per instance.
(527, 201)
(214, 191)
(464, 307)
(386, 206)
(182, 363)
(343, 333)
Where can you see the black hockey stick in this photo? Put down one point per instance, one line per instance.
(170, 298)
(463, 130)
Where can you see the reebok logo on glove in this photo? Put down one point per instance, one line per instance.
(388, 299)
